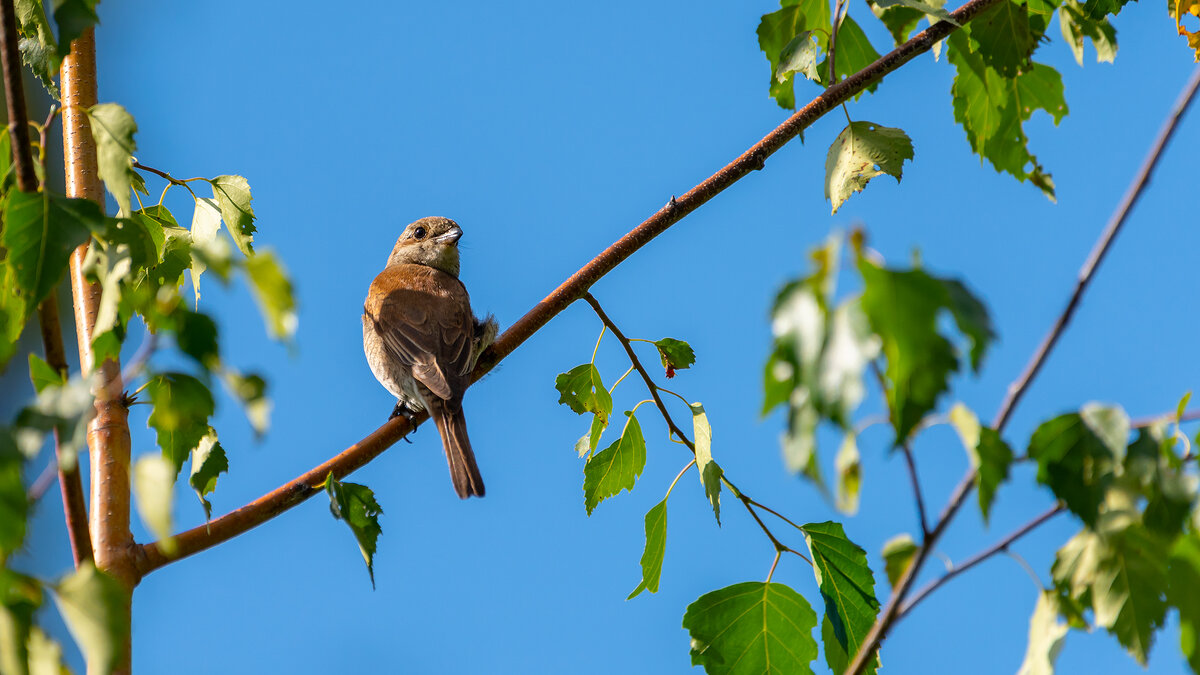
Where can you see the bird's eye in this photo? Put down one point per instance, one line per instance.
(419, 233)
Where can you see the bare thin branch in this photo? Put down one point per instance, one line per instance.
(999, 547)
(1018, 388)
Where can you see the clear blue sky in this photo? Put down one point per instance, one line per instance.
(547, 130)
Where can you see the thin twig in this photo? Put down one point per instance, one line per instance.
(662, 408)
(285, 497)
(169, 178)
(42, 483)
(1143, 422)
(890, 613)
(999, 547)
(835, 25)
(909, 461)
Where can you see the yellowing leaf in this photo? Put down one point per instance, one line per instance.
(1180, 7)
(861, 152)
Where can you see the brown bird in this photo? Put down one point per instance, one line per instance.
(422, 339)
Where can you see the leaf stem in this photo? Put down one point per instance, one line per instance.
(619, 379)
(596, 350)
(774, 563)
(678, 476)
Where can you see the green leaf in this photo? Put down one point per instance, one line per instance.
(43, 59)
(1183, 575)
(900, 20)
(777, 29)
(251, 391)
(847, 586)
(903, 309)
(849, 470)
(1122, 575)
(1078, 454)
(853, 52)
(992, 109)
(158, 221)
(196, 336)
(898, 555)
(14, 505)
(154, 488)
(20, 597)
(581, 389)
(43, 375)
(355, 505)
(182, 406)
(1153, 471)
(991, 459)
(66, 409)
(675, 355)
(40, 232)
(1077, 25)
(751, 628)
(73, 18)
(656, 547)
(206, 220)
(1002, 37)
(710, 472)
(273, 290)
(1046, 634)
(12, 312)
(799, 56)
(862, 151)
(232, 194)
(96, 610)
(934, 10)
(588, 443)
(110, 268)
(616, 467)
(208, 462)
(141, 236)
(113, 129)
(45, 655)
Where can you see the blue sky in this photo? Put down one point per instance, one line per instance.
(547, 130)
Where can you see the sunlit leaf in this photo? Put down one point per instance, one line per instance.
(1046, 634)
(847, 586)
(208, 462)
(113, 129)
(1078, 454)
(656, 546)
(675, 355)
(274, 292)
(799, 56)
(710, 472)
(95, 608)
(849, 471)
(251, 391)
(616, 467)
(898, 555)
(1183, 575)
(752, 628)
(41, 231)
(154, 488)
(232, 194)
(43, 375)
(182, 405)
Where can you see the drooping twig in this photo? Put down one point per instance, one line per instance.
(282, 498)
(1018, 388)
(74, 508)
(999, 547)
(666, 415)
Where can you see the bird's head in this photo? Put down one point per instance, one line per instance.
(429, 241)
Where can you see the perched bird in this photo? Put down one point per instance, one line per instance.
(422, 339)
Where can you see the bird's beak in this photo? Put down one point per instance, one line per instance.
(452, 236)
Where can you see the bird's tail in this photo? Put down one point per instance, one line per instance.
(452, 426)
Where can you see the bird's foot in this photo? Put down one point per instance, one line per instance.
(402, 410)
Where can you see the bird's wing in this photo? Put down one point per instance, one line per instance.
(424, 319)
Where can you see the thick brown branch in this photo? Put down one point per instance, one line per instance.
(573, 288)
(108, 433)
(1018, 388)
(999, 547)
(279, 500)
(74, 508)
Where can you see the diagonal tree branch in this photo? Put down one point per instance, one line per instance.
(74, 508)
(891, 611)
(284, 497)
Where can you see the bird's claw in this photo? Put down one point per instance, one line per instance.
(402, 410)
